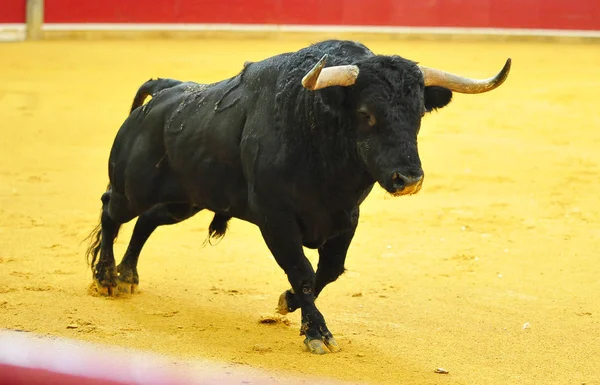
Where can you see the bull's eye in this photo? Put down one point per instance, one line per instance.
(366, 117)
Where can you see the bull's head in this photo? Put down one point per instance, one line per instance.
(389, 96)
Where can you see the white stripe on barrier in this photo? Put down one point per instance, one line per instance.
(11, 32)
(318, 28)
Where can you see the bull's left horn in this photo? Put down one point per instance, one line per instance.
(319, 77)
(435, 77)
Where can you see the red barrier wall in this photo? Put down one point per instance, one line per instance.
(539, 14)
(12, 11)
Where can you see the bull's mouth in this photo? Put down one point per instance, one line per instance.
(402, 185)
(408, 190)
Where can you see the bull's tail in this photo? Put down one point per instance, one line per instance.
(95, 238)
(93, 249)
(151, 88)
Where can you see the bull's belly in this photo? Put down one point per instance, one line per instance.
(319, 226)
(219, 192)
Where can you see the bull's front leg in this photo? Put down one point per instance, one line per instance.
(284, 239)
(332, 257)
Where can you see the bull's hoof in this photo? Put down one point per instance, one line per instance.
(332, 344)
(319, 339)
(106, 281)
(106, 288)
(287, 303)
(324, 346)
(282, 306)
(127, 280)
(127, 287)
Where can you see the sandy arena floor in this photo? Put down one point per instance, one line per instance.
(505, 232)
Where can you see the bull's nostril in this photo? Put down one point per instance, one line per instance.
(398, 180)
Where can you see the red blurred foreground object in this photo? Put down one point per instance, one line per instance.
(13, 375)
(26, 359)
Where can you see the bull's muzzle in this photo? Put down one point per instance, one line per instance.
(406, 185)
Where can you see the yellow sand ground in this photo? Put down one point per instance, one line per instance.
(506, 230)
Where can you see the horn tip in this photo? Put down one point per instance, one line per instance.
(507, 65)
(504, 72)
(322, 61)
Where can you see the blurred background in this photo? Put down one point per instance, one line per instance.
(530, 17)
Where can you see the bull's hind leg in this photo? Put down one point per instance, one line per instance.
(115, 212)
(163, 214)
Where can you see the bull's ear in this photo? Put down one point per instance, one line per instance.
(436, 97)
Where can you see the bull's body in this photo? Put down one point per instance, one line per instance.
(217, 147)
(261, 148)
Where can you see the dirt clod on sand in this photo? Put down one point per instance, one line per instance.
(274, 319)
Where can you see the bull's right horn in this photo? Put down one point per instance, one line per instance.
(319, 77)
(456, 83)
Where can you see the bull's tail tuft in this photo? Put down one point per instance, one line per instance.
(95, 237)
(151, 88)
(217, 228)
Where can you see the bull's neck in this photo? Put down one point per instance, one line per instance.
(331, 158)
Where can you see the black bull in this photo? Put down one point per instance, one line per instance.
(292, 144)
